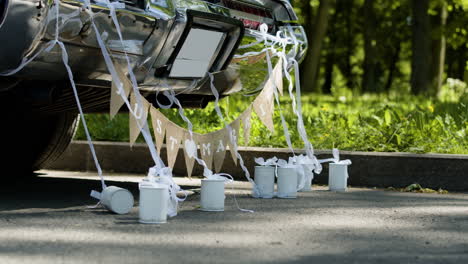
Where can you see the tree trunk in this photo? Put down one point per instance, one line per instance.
(348, 73)
(308, 16)
(369, 79)
(421, 48)
(393, 67)
(330, 48)
(461, 62)
(438, 51)
(327, 84)
(312, 61)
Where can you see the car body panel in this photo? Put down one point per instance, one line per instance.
(151, 36)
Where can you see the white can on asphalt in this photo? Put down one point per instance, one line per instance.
(153, 203)
(308, 175)
(338, 177)
(287, 183)
(265, 182)
(117, 200)
(212, 195)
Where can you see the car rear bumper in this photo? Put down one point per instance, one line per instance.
(152, 36)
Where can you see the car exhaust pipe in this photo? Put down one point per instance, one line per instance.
(3, 11)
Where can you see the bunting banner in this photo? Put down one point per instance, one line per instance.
(220, 142)
(159, 122)
(263, 105)
(174, 135)
(190, 152)
(117, 101)
(138, 120)
(211, 147)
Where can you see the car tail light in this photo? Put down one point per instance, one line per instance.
(256, 15)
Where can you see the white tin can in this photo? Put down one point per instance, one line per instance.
(308, 175)
(212, 195)
(287, 183)
(338, 177)
(117, 200)
(153, 204)
(265, 181)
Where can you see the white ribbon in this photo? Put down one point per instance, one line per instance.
(233, 141)
(163, 176)
(336, 158)
(269, 162)
(305, 168)
(288, 61)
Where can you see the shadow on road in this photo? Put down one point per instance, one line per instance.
(54, 193)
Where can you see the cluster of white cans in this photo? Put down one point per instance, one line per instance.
(289, 179)
(154, 198)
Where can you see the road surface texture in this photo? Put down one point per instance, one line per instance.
(45, 220)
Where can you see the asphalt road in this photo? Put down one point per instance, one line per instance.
(46, 220)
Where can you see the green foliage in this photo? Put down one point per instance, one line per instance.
(366, 123)
(391, 36)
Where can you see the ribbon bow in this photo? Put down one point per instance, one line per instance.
(163, 176)
(268, 162)
(217, 176)
(336, 157)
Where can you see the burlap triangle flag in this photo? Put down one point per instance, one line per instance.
(138, 121)
(220, 139)
(116, 100)
(190, 152)
(159, 122)
(245, 117)
(206, 149)
(263, 105)
(278, 76)
(233, 138)
(174, 136)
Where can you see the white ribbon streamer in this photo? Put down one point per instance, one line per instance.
(233, 141)
(163, 176)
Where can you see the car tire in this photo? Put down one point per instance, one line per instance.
(54, 136)
(30, 141)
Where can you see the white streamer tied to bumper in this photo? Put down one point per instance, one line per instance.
(47, 48)
(275, 92)
(231, 136)
(115, 78)
(288, 62)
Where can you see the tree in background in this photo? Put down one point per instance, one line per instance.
(421, 47)
(371, 67)
(312, 61)
(380, 46)
(439, 22)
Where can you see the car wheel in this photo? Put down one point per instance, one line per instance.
(54, 134)
(29, 140)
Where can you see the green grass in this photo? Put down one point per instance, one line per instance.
(365, 123)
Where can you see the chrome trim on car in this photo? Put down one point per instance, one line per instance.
(151, 35)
